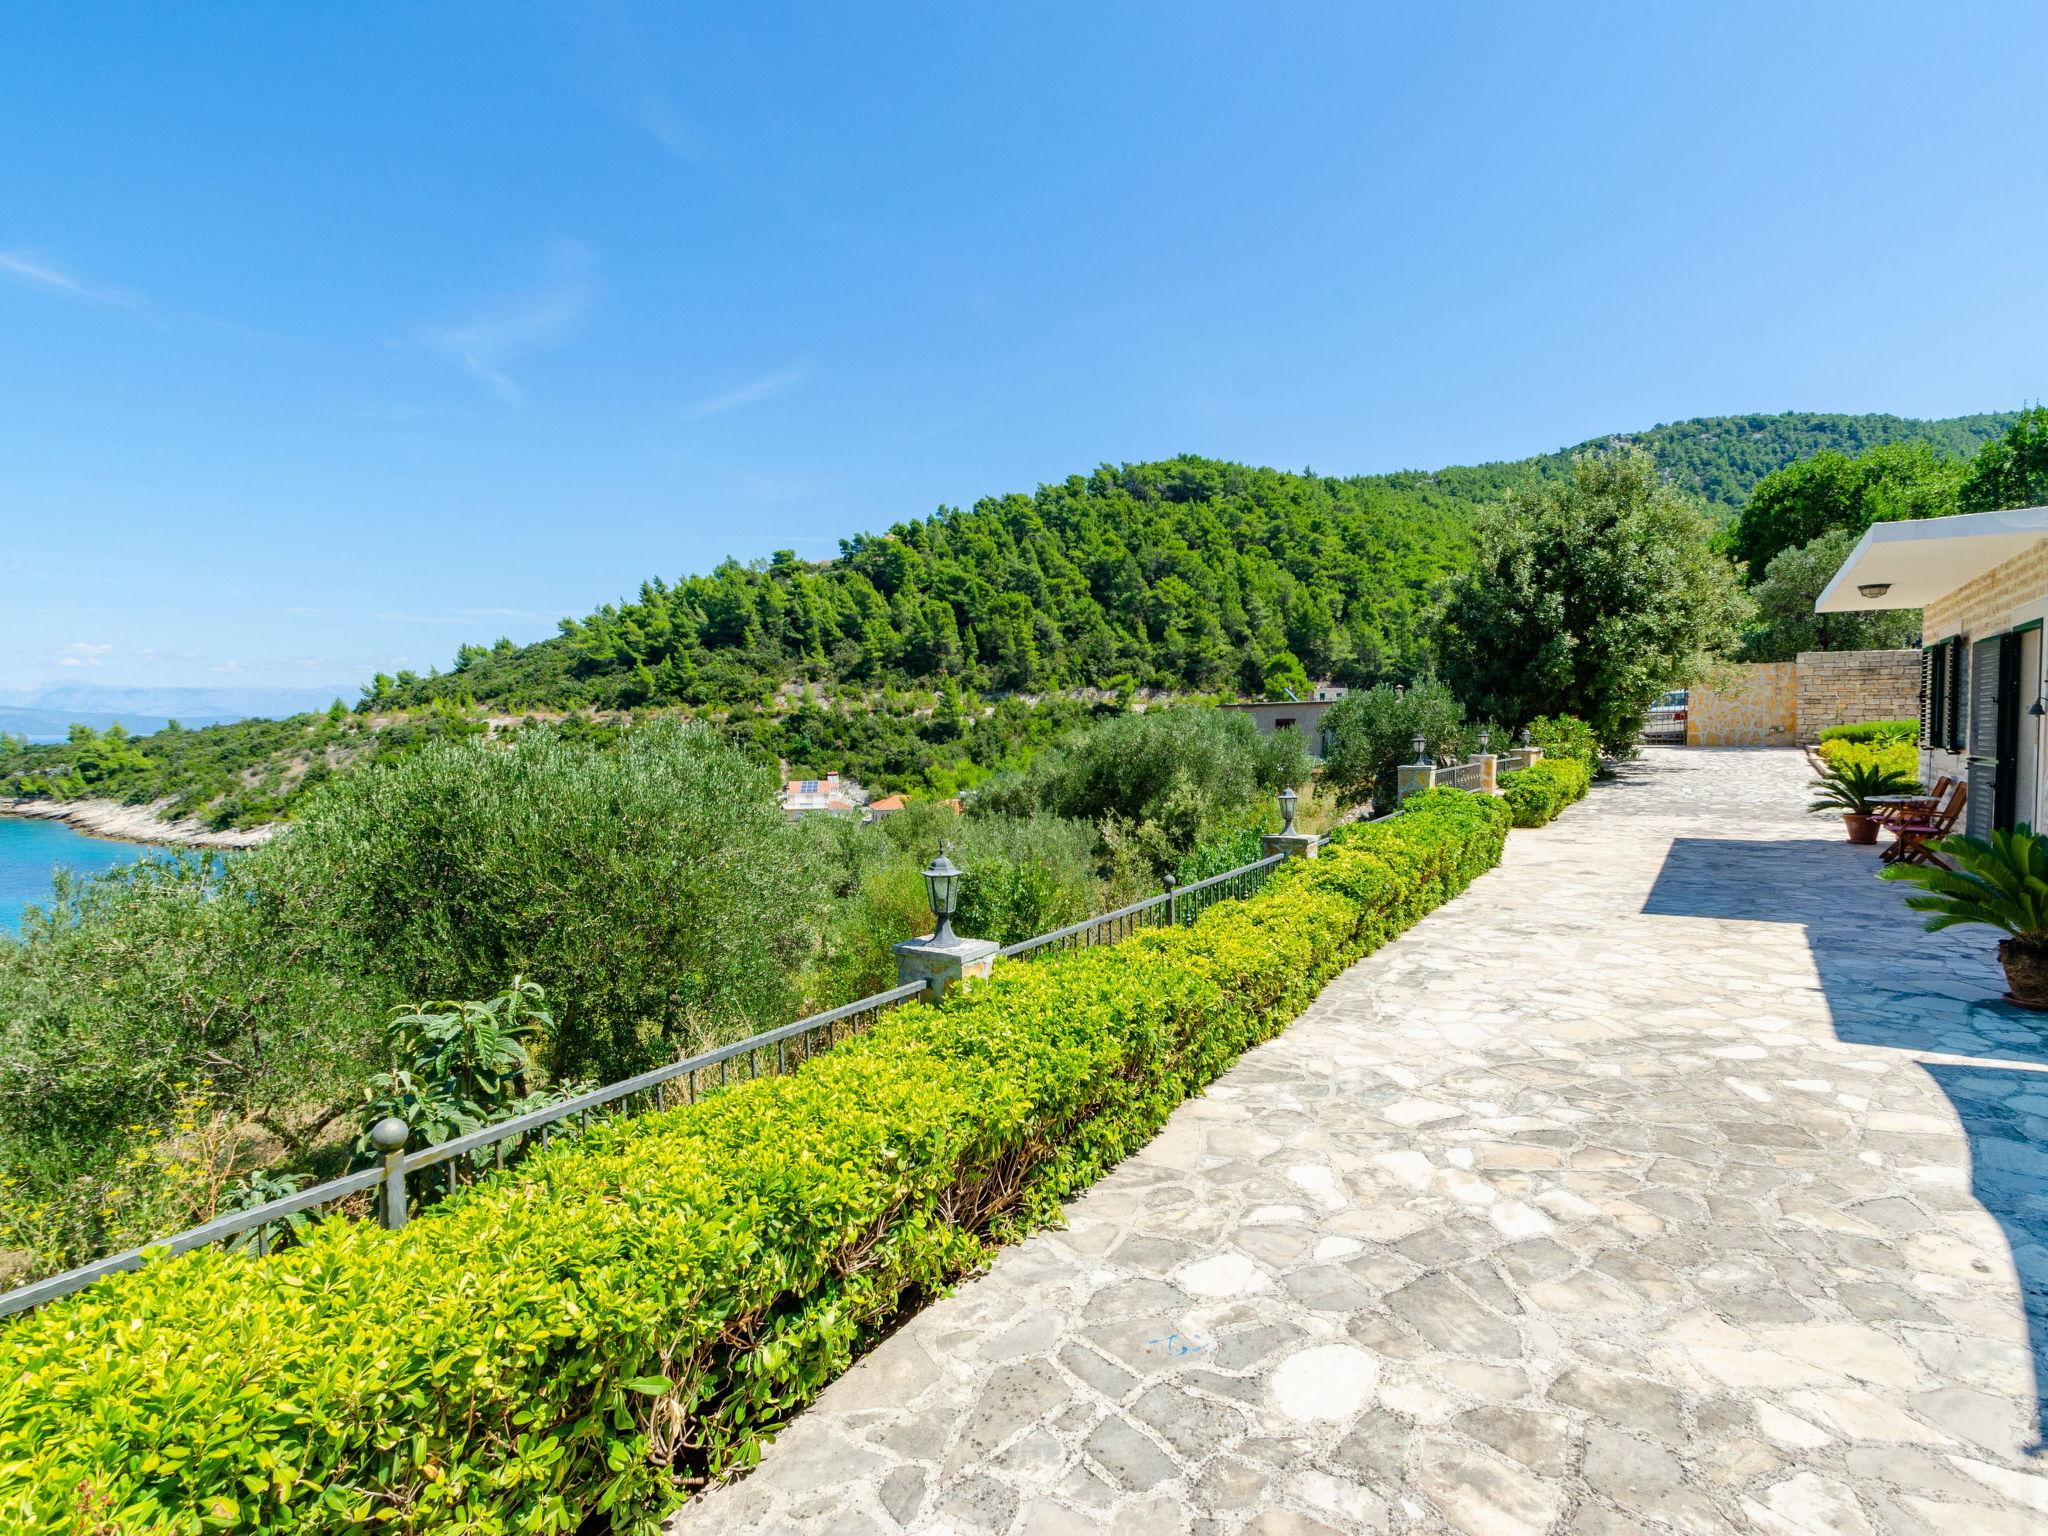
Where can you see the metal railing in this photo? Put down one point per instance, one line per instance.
(1176, 905)
(461, 1159)
(391, 1187)
(1469, 774)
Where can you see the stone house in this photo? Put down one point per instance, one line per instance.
(1304, 715)
(1980, 580)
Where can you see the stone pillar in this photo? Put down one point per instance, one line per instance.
(1410, 778)
(1296, 845)
(1489, 773)
(938, 966)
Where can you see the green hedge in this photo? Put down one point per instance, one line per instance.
(1871, 732)
(650, 1300)
(1536, 794)
(1896, 756)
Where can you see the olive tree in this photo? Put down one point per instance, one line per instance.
(1589, 596)
(1786, 623)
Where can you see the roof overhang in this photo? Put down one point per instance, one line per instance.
(1921, 561)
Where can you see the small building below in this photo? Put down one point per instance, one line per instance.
(1303, 715)
(829, 796)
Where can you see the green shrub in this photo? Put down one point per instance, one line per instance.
(1873, 732)
(1372, 732)
(1566, 736)
(1161, 782)
(1536, 794)
(1895, 756)
(653, 888)
(650, 1300)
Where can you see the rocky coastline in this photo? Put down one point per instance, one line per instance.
(136, 823)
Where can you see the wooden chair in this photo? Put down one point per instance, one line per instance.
(1911, 837)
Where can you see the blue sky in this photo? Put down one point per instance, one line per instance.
(333, 336)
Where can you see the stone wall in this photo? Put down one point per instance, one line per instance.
(1755, 705)
(1844, 687)
(1784, 703)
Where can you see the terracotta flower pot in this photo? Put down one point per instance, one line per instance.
(2026, 974)
(1862, 829)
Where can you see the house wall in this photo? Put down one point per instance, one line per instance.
(1756, 705)
(2004, 597)
(1305, 716)
(1844, 687)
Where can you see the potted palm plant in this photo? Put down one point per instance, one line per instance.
(2000, 881)
(1850, 787)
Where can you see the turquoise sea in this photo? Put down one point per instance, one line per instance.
(30, 850)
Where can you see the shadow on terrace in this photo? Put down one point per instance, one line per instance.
(1889, 984)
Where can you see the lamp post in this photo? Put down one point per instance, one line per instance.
(1421, 748)
(942, 957)
(1484, 737)
(1527, 736)
(942, 887)
(1287, 799)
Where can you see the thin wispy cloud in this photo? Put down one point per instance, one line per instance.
(84, 653)
(31, 271)
(749, 394)
(489, 342)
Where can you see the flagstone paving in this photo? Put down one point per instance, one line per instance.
(1667, 1181)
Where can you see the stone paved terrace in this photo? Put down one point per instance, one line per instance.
(1668, 1181)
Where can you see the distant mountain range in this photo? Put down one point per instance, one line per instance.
(47, 713)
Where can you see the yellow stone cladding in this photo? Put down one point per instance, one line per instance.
(1757, 706)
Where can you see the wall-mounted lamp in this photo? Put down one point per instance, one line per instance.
(2038, 708)
(1875, 588)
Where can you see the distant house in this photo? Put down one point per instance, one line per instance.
(1980, 581)
(889, 805)
(1304, 715)
(829, 796)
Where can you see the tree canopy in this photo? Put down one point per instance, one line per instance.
(1589, 597)
(1838, 491)
(1786, 623)
(2012, 471)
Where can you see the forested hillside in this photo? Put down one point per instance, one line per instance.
(1720, 458)
(1191, 576)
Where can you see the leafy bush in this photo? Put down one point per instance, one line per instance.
(1896, 757)
(460, 1066)
(653, 887)
(1536, 794)
(1881, 732)
(1566, 736)
(650, 1300)
(1372, 732)
(1161, 782)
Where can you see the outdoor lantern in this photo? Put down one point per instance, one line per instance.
(1527, 734)
(1287, 799)
(942, 883)
(1484, 737)
(1875, 588)
(1421, 747)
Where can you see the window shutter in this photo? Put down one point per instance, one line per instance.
(1953, 695)
(1930, 697)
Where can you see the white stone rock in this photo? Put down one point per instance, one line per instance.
(1326, 1381)
(1225, 1275)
